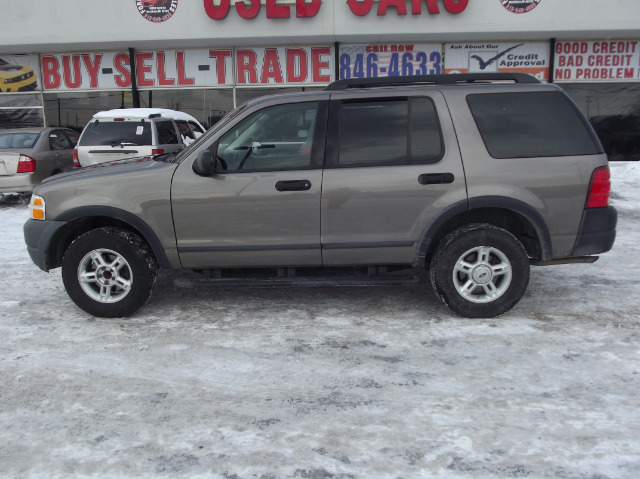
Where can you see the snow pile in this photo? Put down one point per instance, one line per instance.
(364, 383)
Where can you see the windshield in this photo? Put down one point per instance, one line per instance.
(18, 140)
(116, 133)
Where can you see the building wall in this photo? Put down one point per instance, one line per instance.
(71, 25)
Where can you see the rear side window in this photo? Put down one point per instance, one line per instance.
(166, 133)
(529, 125)
(185, 129)
(116, 133)
(389, 132)
(58, 141)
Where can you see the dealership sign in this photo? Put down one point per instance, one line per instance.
(375, 60)
(597, 61)
(520, 6)
(250, 9)
(157, 11)
(190, 68)
(532, 58)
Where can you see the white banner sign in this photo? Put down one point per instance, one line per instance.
(386, 60)
(603, 61)
(189, 68)
(532, 58)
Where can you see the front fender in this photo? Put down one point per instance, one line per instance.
(148, 234)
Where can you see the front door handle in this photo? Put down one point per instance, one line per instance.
(294, 185)
(436, 178)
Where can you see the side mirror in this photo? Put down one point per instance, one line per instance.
(204, 164)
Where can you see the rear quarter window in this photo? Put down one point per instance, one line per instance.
(116, 133)
(166, 133)
(531, 124)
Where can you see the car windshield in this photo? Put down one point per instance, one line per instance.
(18, 140)
(2, 62)
(116, 133)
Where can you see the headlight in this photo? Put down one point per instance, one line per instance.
(36, 208)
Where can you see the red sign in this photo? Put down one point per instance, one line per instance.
(293, 65)
(363, 7)
(250, 9)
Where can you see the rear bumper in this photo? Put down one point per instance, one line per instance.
(597, 231)
(18, 183)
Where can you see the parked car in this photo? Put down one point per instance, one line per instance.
(126, 133)
(29, 155)
(16, 77)
(469, 178)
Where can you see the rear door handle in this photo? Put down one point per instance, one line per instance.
(436, 178)
(294, 185)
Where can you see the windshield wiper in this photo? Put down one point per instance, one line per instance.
(165, 157)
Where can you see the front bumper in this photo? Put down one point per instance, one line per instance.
(38, 235)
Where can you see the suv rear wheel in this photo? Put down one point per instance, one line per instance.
(109, 272)
(480, 271)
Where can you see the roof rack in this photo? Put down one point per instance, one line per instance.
(446, 79)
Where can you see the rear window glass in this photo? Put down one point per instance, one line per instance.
(532, 124)
(116, 133)
(18, 140)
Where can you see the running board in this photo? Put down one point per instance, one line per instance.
(572, 260)
(296, 282)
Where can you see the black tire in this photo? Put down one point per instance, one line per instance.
(119, 271)
(480, 271)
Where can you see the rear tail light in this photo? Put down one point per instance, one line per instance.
(157, 151)
(26, 164)
(76, 161)
(600, 188)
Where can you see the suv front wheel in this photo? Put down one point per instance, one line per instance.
(109, 272)
(480, 271)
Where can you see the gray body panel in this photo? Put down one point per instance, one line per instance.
(140, 188)
(240, 219)
(556, 187)
(376, 215)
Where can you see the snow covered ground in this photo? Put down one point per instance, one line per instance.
(326, 383)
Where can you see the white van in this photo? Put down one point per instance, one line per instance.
(126, 133)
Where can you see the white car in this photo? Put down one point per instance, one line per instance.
(126, 133)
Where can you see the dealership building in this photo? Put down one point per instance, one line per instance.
(63, 61)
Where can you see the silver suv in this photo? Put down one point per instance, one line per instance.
(471, 177)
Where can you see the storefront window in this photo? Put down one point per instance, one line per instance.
(205, 105)
(20, 110)
(245, 94)
(614, 111)
(74, 110)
